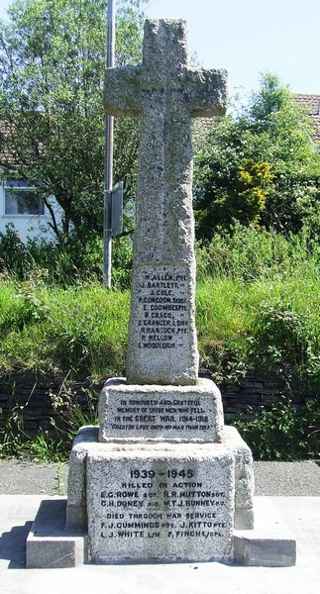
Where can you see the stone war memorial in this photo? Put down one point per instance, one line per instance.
(161, 479)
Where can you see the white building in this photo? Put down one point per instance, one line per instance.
(20, 206)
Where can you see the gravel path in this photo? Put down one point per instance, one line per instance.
(272, 478)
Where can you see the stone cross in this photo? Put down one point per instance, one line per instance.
(166, 94)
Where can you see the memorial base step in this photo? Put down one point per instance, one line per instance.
(269, 544)
(50, 545)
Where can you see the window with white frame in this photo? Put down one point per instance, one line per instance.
(20, 198)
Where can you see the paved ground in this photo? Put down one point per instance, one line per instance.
(27, 478)
(287, 478)
(23, 484)
(300, 513)
(272, 478)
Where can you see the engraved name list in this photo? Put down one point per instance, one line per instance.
(162, 302)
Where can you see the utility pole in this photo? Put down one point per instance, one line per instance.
(108, 155)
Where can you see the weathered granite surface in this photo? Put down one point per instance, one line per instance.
(160, 503)
(49, 543)
(76, 510)
(158, 413)
(86, 443)
(166, 93)
(244, 478)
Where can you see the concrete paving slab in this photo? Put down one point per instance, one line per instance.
(302, 514)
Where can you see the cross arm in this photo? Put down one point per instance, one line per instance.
(122, 91)
(206, 92)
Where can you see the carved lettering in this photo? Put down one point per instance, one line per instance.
(163, 312)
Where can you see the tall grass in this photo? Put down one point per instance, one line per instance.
(258, 309)
(81, 330)
(250, 253)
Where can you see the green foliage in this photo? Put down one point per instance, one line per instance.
(44, 448)
(15, 258)
(258, 167)
(281, 342)
(71, 411)
(11, 433)
(283, 432)
(258, 303)
(121, 262)
(249, 290)
(81, 330)
(73, 263)
(249, 253)
(52, 62)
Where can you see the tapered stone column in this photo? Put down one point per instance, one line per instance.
(167, 94)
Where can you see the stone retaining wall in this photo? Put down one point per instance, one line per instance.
(27, 398)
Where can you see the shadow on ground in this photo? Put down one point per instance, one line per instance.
(13, 546)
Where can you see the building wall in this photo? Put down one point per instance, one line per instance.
(29, 226)
(311, 106)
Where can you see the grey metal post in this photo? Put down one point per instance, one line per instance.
(108, 157)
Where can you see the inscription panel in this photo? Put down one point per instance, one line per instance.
(162, 337)
(160, 412)
(163, 319)
(161, 509)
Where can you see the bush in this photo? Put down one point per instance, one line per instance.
(15, 258)
(280, 342)
(283, 432)
(258, 166)
(73, 262)
(249, 254)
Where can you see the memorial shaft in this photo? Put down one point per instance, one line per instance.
(166, 94)
(162, 334)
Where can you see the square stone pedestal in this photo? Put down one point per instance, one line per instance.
(160, 503)
(86, 447)
(164, 502)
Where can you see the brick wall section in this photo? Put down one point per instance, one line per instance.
(28, 396)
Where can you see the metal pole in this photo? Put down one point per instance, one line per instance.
(108, 155)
